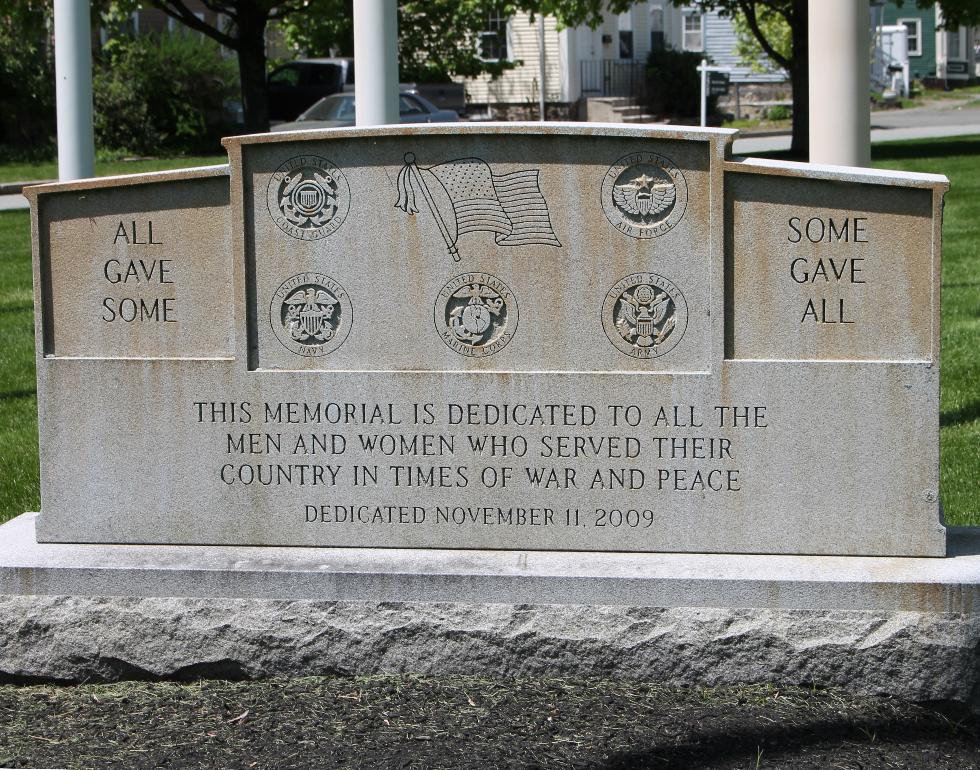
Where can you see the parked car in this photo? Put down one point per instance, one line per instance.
(297, 85)
(338, 110)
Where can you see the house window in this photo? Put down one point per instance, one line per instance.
(626, 44)
(914, 27)
(177, 27)
(493, 40)
(693, 32)
(657, 42)
(954, 48)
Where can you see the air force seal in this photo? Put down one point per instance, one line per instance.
(311, 314)
(644, 195)
(308, 197)
(644, 315)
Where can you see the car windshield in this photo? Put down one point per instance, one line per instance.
(331, 108)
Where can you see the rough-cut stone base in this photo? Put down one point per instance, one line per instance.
(918, 656)
(901, 626)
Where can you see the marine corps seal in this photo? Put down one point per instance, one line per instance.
(311, 314)
(476, 314)
(644, 315)
(308, 197)
(644, 194)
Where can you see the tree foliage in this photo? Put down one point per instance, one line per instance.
(956, 13)
(157, 93)
(242, 30)
(26, 75)
(768, 22)
(774, 28)
(437, 39)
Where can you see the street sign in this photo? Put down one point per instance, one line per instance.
(718, 83)
(714, 82)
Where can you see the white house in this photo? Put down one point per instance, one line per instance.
(607, 61)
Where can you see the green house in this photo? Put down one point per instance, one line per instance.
(921, 25)
(933, 52)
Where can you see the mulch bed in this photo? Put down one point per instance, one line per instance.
(412, 722)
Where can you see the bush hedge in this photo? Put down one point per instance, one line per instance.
(162, 93)
(674, 84)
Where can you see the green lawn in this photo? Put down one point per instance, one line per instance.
(18, 401)
(959, 413)
(958, 158)
(36, 172)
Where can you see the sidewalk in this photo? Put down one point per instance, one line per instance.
(12, 202)
(776, 142)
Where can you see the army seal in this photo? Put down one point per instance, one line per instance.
(644, 194)
(476, 314)
(308, 197)
(311, 314)
(644, 315)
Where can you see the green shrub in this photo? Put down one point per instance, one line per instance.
(779, 112)
(162, 93)
(674, 84)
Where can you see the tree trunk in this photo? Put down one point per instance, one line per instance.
(251, 70)
(800, 79)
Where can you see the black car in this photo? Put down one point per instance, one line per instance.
(294, 87)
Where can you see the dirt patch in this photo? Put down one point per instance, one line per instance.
(411, 722)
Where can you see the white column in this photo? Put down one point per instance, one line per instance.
(569, 67)
(376, 62)
(840, 111)
(542, 71)
(73, 89)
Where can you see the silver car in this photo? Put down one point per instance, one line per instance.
(338, 110)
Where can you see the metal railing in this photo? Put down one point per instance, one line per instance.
(613, 77)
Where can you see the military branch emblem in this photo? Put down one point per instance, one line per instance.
(466, 195)
(644, 195)
(644, 315)
(311, 314)
(308, 197)
(476, 314)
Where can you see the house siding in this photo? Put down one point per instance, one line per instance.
(520, 85)
(924, 65)
(720, 41)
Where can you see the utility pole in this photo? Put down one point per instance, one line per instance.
(73, 89)
(840, 82)
(375, 62)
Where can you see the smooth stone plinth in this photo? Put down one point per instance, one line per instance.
(901, 626)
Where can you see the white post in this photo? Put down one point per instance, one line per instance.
(73, 89)
(704, 92)
(541, 66)
(568, 66)
(840, 111)
(376, 62)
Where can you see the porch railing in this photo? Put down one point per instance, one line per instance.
(613, 77)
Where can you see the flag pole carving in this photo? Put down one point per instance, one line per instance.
(465, 196)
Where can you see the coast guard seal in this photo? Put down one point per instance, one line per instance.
(476, 314)
(644, 315)
(308, 197)
(644, 194)
(311, 314)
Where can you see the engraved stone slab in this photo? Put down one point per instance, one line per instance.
(138, 270)
(823, 270)
(512, 337)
